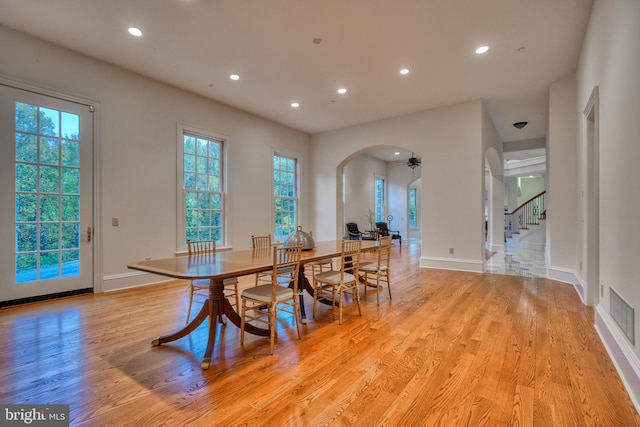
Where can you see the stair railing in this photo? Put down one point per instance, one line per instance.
(528, 213)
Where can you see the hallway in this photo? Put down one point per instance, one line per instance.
(516, 261)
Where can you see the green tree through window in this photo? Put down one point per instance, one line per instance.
(47, 189)
(380, 200)
(413, 208)
(285, 194)
(202, 182)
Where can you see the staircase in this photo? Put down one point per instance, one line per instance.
(525, 217)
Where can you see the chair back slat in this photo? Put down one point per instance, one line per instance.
(261, 242)
(350, 257)
(286, 263)
(196, 247)
(384, 251)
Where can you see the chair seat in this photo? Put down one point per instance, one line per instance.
(332, 277)
(372, 266)
(263, 293)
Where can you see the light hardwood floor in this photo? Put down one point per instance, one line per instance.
(450, 349)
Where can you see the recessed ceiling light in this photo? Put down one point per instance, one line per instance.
(482, 49)
(234, 77)
(135, 31)
(397, 153)
(295, 104)
(342, 90)
(404, 71)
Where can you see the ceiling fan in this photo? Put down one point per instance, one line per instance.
(413, 161)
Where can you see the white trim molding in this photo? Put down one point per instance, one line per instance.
(624, 359)
(457, 264)
(497, 247)
(133, 279)
(572, 277)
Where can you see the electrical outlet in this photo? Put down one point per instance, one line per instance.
(451, 251)
(115, 222)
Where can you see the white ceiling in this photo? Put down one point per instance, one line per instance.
(197, 44)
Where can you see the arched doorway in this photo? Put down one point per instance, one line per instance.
(372, 184)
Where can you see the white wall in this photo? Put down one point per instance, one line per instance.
(492, 149)
(511, 192)
(610, 60)
(562, 176)
(529, 188)
(359, 191)
(448, 140)
(137, 142)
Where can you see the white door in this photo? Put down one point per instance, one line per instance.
(46, 196)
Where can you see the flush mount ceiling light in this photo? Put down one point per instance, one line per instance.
(520, 125)
(482, 49)
(135, 31)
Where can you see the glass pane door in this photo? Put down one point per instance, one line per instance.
(47, 144)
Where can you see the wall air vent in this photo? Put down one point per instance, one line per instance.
(623, 314)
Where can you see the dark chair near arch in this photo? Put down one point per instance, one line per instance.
(383, 230)
(353, 233)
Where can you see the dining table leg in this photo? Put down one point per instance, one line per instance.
(214, 308)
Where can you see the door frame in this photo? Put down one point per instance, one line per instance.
(97, 173)
(594, 292)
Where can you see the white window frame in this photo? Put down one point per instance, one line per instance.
(296, 157)
(384, 199)
(225, 140)
(417, 207)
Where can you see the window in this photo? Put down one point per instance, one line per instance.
(380, 200)
(47, 193)
(203, 187)
(413, 207)
(285, 195)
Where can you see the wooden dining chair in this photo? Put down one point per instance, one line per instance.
(330, 284)
(262, 243)
(376, 273)
(320, 265)
(261, 303)
(200, 287)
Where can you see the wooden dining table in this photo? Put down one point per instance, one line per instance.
(222, 265)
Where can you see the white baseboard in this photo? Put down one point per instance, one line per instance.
(496, 247)
(134, 279)
(452, 264)
(625, 360)
(568, 276)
